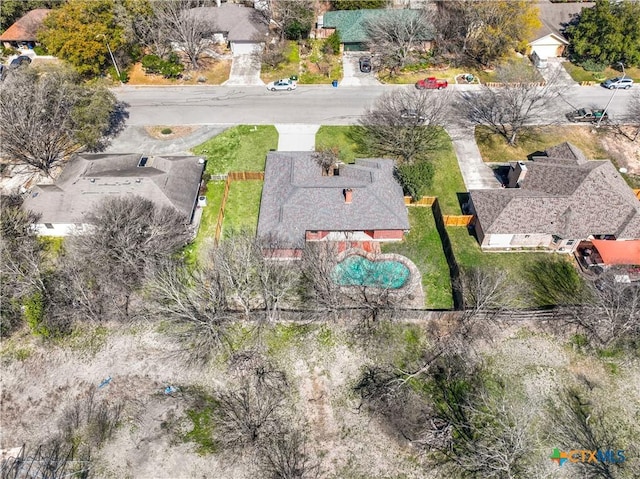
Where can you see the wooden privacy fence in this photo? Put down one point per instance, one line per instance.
(424, 201)
(637, 193)
(457, 220)
(498, 85)
(233, 176)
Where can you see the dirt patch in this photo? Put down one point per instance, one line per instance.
(624, 153)
(213, 72)
(169, 132)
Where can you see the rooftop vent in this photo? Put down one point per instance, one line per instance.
(143, 161)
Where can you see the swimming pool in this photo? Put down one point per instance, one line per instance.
(356, 270)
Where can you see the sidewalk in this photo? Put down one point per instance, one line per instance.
(297, 137)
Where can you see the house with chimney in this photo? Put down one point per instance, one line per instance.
(65, 206)
(555, 201)
(358, 204)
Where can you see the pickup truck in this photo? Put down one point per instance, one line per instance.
(586, 115)
(431, 83)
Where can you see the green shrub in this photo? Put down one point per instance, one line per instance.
(554, 281)
(166, 131)
(332, 43)
(40, 50)
(34, 314)
(169, 68)
(416, 178)
(593, 66)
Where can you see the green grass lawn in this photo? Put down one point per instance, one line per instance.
(447, 180)
(243, 206)
(207, 229)
(291, 65)
(242, 148)
(579, 74)
(494, 148)
(310, 72)
(422, 246)
(338, 137)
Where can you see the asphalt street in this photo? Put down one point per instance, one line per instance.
(309, 104)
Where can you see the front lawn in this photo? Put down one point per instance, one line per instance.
(214, 72)
(308, 61)
(291, 65)
(338, 137)
(579, 74)
(494, 148)
(242, 148)
(243, 206)
(423, 246)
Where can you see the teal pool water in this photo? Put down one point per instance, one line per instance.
(356, 270)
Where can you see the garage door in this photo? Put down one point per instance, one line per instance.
(245, 48)
(546, 51)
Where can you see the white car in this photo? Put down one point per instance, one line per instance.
(284, 84)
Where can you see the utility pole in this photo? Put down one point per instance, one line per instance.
(615, 90)
(115, 65)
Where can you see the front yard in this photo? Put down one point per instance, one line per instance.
(308, 61)
(214, 72)
(579, 74)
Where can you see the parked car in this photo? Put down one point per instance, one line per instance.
(365, 64)
(412, 115)
(624, 83)
(283, 84)
(431, 83)
(586, 115)
(22, 60)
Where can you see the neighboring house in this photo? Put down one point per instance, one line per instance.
(357, 202)
(351, 25)
(549, 40)
(23, 33)
(554, 202)
(242, 28)
(88, 179)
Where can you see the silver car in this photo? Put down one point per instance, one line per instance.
(284, 84)
(624, 83)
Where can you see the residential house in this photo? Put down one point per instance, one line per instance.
(351, 25)
(549, 41)
(555, 201)
(239, 26)
(23, 33)
(86, 180)
(359, 202)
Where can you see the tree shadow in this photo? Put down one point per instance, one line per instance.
(116, 124)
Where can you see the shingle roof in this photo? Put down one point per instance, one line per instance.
(555, 197)
(26, 27)
(556, 16)
(240, 23)
(350, 24)
(87, 179)
(296, 198)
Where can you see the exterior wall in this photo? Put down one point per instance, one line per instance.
(388, 234)
(315, 235)
(547, 47)
(528, 241)
(56, 229)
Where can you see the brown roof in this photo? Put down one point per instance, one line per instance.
(296, 198)
(556, 16)
(555, 197)
(25, 28)
(88, 179)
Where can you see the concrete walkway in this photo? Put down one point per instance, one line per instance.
(555, 72)
(135, 139)
(297, 137)
(475, 172)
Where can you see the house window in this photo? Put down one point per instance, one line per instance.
(570, 242)
(49, 226)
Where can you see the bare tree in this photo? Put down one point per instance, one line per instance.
(291, 19)
(185, 24)
(327, 159)
(403, 124)
(278, 280)
(46, 117)
(487, 292)
(129, 238)
(286, 456)
(397, 36)
(316, 270)
(507, 109)
(51, 461)
(631, 118)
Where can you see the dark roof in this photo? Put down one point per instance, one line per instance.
(556, 16)
(26, 27)
(87, 179)
(566, 197)
(296, 198)
(350, 24)
(238, 22)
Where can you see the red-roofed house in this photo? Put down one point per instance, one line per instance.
(23, 33)
(618, 252)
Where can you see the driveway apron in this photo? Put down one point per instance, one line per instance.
(245, 70)
(475, 173)
(352, 76)
(297, 137)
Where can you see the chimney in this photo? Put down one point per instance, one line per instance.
(517, 173)
(348, 193)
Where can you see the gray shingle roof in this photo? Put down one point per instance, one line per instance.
(296, 198)
(571, 201)
(240, 23)
(556, 16)
(88, 179)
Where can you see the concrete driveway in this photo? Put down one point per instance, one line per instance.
(297, 137)
(245, 70)
(352, 76)
(475, 172)
(555, 72)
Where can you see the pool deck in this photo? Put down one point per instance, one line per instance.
(411, 294)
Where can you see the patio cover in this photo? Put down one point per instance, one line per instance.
(618, 252)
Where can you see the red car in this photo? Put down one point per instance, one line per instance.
(431, 83)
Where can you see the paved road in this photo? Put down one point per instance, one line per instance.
(310, 104)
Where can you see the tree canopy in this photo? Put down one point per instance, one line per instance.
(609, 33)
